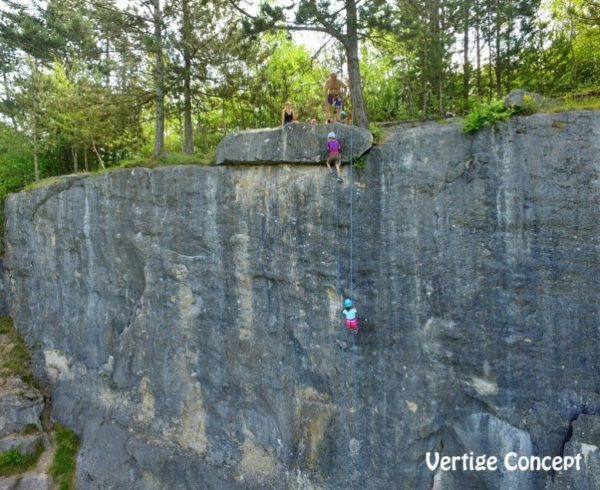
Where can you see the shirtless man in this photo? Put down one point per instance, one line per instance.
(334, 91)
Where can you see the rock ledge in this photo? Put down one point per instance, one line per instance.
(301, 143)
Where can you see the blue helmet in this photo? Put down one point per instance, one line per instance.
(347, 302)
(331, 135)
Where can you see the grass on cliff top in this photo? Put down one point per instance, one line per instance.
(166, 160)
(12, 462)
(14, 356)
(573, 103)
(42, 183)
(64, 464)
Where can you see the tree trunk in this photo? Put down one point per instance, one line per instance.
(508, 69)
(159, 75)
(100, 161)
(75, 163)
(478, 53)
(498, 50)
(8, 97)
(107, 54)
(187, 74)
(36, 164)
(359, 109)
(86, 164)
(466, 65)
(490, 54)
(440, 28)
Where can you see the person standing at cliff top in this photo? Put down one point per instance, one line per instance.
(287, 114)
(334, 155)
(334, 91)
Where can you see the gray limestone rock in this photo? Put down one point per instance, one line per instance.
(20, 405)
(8, 483)
(189, 321)
(484, 434)
(26, 444)
(3, 309)
(35, 482)
(585, 441)
(296, 143)
(522, 99)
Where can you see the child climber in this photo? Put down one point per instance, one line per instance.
(349, 312)
(334, 155)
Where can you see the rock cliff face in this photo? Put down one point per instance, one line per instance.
(188, 318)
(296, 143)
(3, 310)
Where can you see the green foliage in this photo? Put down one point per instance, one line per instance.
(5, 325)
(64, 464)
(16, 161)
(16, 166)
(377, 132)
(486, 114)
(529, 106)
(167, 159)
(573, 104)
(12, 462)
(78, 78)
(383, 86)
(14, 359)
(30, 429)
(360, 163)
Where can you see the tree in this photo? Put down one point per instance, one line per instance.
(159, 77)
(204, 45)
(344, 22)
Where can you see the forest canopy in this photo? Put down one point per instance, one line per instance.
(87, 85)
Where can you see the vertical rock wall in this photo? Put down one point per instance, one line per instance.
(188, 318)
(3, 306)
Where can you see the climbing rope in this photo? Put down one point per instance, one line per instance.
(351, 238)
(337, 241)
(355, 462)
(355, 378)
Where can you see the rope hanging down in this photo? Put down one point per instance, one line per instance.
(350, 283)
(350, 289)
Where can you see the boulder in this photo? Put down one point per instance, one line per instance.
(297, 143)
(35, 482)
(521, 99)
(585, 441)
(20, 405)
(25, 444)
(9, 483)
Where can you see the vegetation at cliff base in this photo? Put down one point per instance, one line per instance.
(64, 464)
(12, 462)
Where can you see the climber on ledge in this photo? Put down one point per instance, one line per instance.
(349, 312)
(334, 91)
(334, 155)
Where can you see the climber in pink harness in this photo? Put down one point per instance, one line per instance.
(349, 312)
(334, 156)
